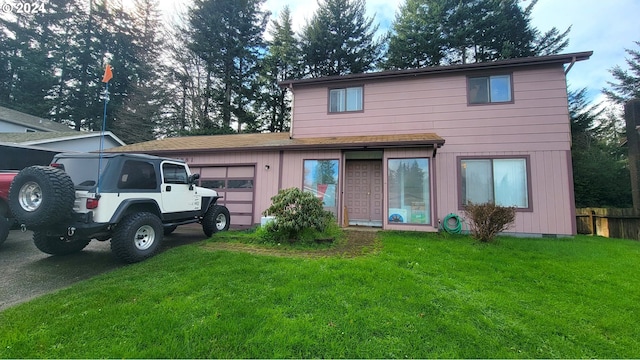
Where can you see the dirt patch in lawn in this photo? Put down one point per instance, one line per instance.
(356, 243)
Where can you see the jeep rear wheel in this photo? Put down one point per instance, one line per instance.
(216, 219)
(58, 245)
(41, 196)
(137, 237)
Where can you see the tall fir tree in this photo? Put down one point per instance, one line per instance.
(627, 82)
(227, 35)
(28, 55)
(444, 32)
(64, 48)
(141, 110)
(600, 172)
(281, 62)
(339, 39)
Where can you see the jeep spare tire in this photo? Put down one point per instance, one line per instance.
(41, 196)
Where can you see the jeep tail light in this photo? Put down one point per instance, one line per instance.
(57, 165)
(92, 203)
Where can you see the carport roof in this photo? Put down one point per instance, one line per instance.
(278, 141)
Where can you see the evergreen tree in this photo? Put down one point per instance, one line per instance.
(137, 118)
(339, 40)
(627, 85)
(415, 41)
(227, 35)
(443, 32)
(600, 170)
(281, 62)
(28, 56)
(186, 76)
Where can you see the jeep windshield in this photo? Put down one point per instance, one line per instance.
(83, 171)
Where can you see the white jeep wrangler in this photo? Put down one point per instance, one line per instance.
(132, 199)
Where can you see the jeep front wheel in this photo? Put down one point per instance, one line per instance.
(41, 196)
(216, 219)
(137, 237)
(58, 245)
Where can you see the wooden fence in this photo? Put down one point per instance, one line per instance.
(614, 223)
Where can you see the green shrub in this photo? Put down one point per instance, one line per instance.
(488, 219)
(299, 217)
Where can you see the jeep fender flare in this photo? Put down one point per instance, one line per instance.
(140, 205)
(208, 202)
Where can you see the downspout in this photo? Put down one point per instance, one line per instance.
(573, 61)
(293, 100)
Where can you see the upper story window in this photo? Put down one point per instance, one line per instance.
(346, 99)
(489, 89)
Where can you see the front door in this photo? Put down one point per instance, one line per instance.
(363, 192)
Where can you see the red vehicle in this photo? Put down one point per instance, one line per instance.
(6, 177)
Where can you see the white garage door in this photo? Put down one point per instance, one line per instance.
(236, 185)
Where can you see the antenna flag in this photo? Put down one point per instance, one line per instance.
(108, 74)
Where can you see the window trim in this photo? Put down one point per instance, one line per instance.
(361, 86)
(432, 191)
(489, 75)
(527, 160)
(338, 181)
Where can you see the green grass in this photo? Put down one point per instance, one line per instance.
(420, 296)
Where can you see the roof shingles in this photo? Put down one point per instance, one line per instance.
(271, 141)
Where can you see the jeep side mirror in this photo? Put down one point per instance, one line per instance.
(192, 179)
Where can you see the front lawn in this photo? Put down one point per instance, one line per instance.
(411, 295)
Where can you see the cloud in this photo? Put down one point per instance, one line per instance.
(605, 27)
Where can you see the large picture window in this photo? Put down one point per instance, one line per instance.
(409, 195)
(499, 181)
(489, 89)
(321, 178)
(347, 99)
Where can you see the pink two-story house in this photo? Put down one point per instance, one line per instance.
(403, 149)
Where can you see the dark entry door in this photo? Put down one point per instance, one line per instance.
(363, 192)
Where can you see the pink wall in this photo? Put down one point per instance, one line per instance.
(535, 124)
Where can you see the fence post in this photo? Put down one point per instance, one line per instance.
(632, 118)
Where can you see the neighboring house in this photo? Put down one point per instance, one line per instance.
(27, 130)
(72, 141)
(403, 149)
(12, 121)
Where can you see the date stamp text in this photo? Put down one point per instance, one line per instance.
(23, 7)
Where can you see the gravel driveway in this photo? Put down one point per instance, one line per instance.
(26, 273)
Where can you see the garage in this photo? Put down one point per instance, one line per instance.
(236, 185)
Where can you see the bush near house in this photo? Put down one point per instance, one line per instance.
(488, 219)
(299, 217)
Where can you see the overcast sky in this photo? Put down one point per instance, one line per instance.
(606, 27)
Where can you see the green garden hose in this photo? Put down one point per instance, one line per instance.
(455, 229)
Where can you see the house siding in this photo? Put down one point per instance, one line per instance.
(281, 174)
(535, 125)
(537, 116)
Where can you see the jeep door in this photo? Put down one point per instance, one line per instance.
(176, 195)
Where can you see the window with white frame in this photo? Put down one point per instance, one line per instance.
(499, 181)
(409, 195)
(489, 89)
(346, 99)
(321, 178)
